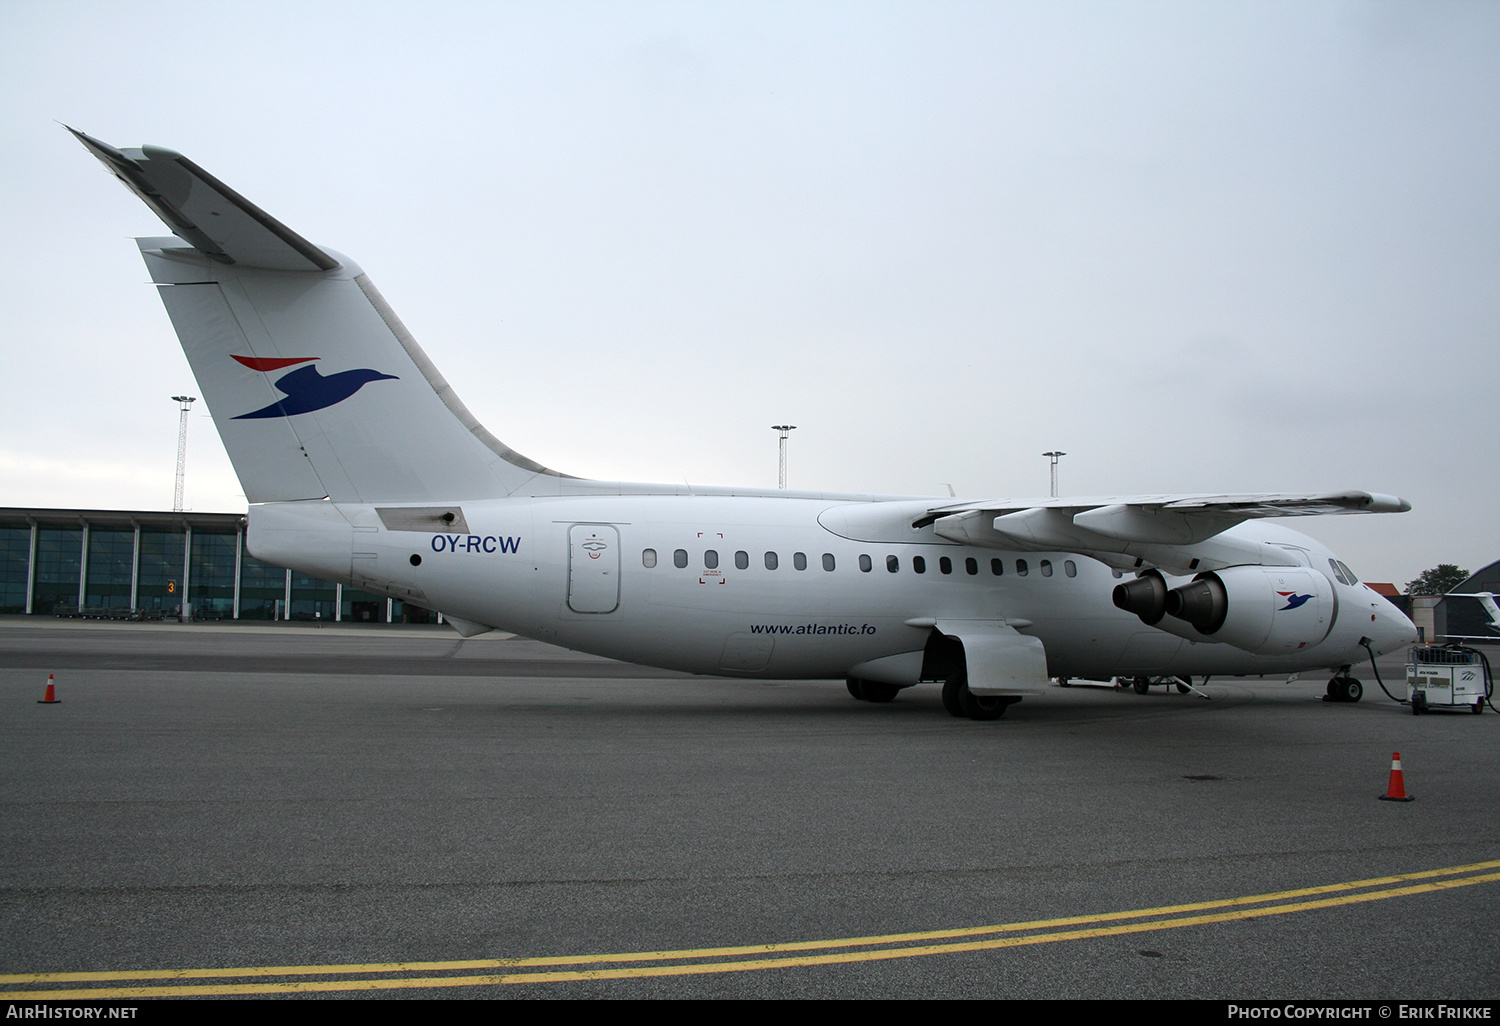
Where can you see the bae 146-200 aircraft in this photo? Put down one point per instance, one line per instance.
(361, 465)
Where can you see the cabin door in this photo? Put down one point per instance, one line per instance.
(593, 568)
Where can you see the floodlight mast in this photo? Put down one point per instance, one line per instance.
(785, 429)
(1054, 457)
(184, 403)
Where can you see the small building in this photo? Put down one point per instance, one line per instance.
(132, 564)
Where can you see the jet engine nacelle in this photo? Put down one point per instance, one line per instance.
(1268, 610)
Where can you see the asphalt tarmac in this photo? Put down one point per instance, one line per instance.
(352, 812)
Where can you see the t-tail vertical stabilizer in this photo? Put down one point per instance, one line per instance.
(315, 385)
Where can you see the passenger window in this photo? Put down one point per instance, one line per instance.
(648, 558)
(1070, 568)
(997, 566)
(918, 565)
(892, 564)
(679, 558)
(742, 560)
(1046, 568)
(865, 565)
(828, 561)
(945, 564)
(771, 561)
(971, 566)
(1021, 567)
(710, 559)
(799, 560)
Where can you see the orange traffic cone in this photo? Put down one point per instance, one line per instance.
(1397, 790)
(51, 698)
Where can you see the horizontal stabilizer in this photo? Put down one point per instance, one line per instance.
(216, 220)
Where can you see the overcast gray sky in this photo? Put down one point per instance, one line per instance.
(1201, 247)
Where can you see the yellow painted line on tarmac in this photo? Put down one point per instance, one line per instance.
(881, 947)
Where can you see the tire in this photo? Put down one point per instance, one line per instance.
(1184, 686)
(1479, 707)
(1353, 690)
(982, 708)
(853, 684)
(1333, 689)
(1142, 685)
(951, 689)
(875, 691)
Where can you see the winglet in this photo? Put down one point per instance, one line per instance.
(216, 220)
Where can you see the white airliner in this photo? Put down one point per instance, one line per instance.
(361, 465)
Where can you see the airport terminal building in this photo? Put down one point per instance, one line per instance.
(122, 564)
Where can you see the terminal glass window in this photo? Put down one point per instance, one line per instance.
(262, 590)
(15, 558)
(111, 558)
(362, 606)
(312, 598)
(211, 588)
(161, 571)
(58, 553)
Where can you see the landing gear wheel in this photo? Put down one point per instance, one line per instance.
(1142, 685)
(1184, 685)
(963, 703)
(951, 689)
(875, 691)
(1345, 689)
(983, 708)
(853, 684)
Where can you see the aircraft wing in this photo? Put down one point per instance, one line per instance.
(1139, 527)
(205, 212)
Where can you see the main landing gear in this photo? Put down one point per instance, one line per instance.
(1344, 688)
(961, 702)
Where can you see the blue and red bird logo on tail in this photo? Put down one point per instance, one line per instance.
(306, 390)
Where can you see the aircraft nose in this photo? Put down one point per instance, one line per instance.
(1391, 629)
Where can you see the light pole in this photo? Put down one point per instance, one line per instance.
(1054, 457)
(184, 403)
(785, 429)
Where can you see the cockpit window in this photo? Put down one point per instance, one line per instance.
(1347, 572)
